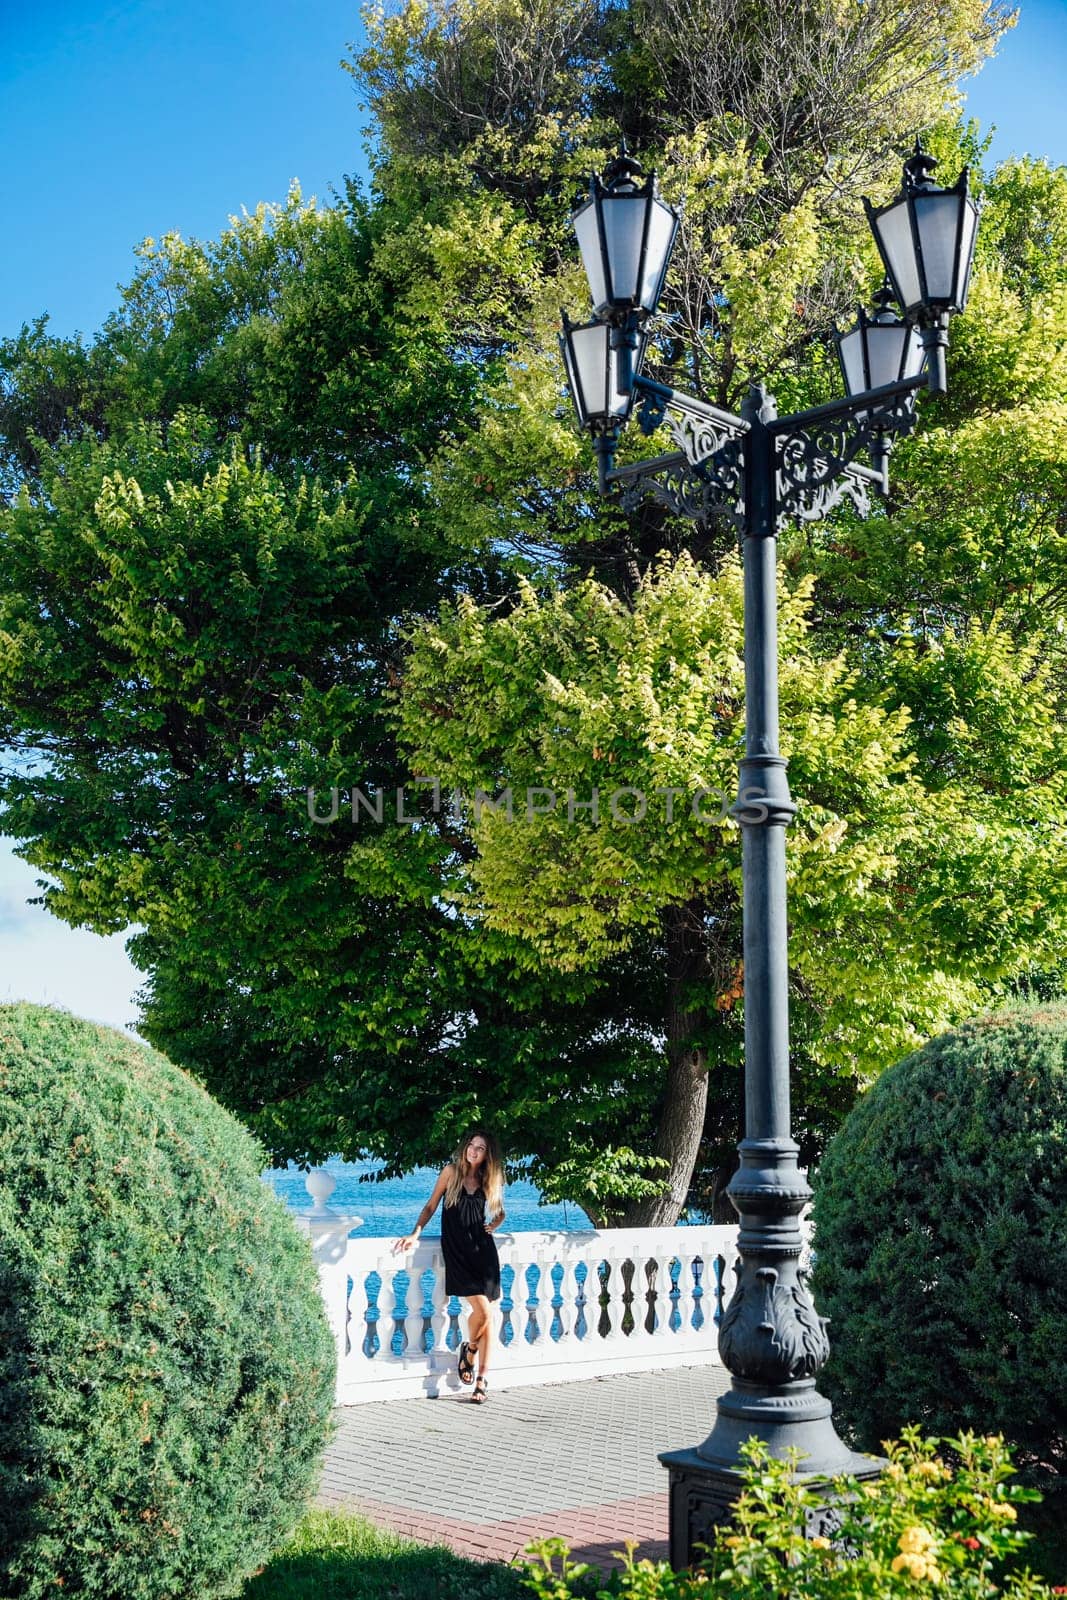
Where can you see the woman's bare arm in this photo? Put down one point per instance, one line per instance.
(427, 1211)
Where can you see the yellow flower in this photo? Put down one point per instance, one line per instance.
(817, 1542)
(914, 1565)
(928, 1469)
(894, 1470)
(916, 1541)
(1001, 1508)
(933, 1574)
(733, 1542)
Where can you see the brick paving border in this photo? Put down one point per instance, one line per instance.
(595, 1533)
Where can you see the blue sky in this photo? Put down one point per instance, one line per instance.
(138, 117)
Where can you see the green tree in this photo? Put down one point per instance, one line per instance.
(769, 165)
(285, 442)
(199, 623)
(600, 729)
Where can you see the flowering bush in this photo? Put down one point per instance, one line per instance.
(925, 1525)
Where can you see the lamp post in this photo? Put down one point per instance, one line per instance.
(758, 471)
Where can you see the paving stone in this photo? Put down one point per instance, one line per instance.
(576, 1460)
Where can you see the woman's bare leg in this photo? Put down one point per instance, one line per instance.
(480, 1331)
(474, 1326)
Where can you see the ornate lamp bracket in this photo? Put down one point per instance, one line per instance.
(816, 465)
(816, 451)
(705, 477)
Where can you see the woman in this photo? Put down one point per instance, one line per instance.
(473, 1187)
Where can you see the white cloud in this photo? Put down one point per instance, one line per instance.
(43, 960)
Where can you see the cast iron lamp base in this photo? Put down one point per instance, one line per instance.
(705, 1488)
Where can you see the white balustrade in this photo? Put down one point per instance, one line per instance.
(568, 1342)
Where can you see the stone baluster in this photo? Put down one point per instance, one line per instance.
(535, 1302)
(731, 1270)
(531, 1295)
(385, 1264)
(520, 1294)
(410, 1320)
(568, 1292)
(585, 1291)
(395, 1306)
(509, 1317)
(439, 1318)
(615, 1255)
(368, 1310)
(651, 1290)
(545, 1260)
(574, 1289)
(684, 1303)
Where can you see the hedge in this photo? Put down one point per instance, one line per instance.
(166, 1369)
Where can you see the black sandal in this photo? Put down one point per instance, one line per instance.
(481, 1392)
(467, 1353)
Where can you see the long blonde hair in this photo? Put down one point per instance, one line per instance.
(492, 1172)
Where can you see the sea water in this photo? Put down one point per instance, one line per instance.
(390, 1208)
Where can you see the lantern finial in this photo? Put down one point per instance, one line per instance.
(623, 174)
(884, 302)
(919, 169)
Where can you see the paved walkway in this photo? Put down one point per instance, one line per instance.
(577, 1460)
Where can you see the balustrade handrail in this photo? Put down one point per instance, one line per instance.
(575, 1303)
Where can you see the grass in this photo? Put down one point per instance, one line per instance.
(334, 1555)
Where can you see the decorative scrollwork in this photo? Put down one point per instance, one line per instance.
(814, 474)
(705, 480)
(771, 1332)
(816, 465)
(711, 490)
(700, 438)
(817, 462)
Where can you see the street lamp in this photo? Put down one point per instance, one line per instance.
(600, 373)
(926, 240)
(625, 234)
(759, 471)
(882, 348)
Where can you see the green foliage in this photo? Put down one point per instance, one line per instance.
(594, 1175)
(338, 1556)
(767, 127)
(942, 1252)
(580, 694)
(166, 1375)
(973, 541)
(293, 332)
(290, 442)
(922, 1525)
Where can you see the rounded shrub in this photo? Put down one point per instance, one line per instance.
(940, 1226)
(166, 1368)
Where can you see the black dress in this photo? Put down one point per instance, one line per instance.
(472, 1265)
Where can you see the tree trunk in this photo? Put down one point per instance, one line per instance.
(681, 1118)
